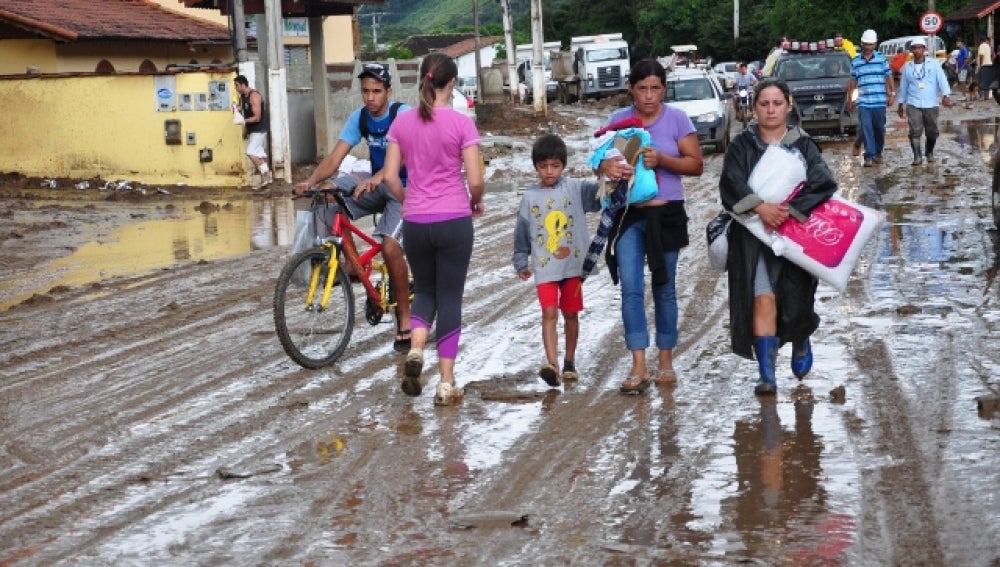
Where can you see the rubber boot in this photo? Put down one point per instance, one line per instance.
(930, 149)
(917, 156)
(802, 359)
(766, 350)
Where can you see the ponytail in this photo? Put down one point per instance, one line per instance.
(436, 70)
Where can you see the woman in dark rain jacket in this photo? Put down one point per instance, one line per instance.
(770, 299)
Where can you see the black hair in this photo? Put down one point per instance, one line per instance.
(773, 82)
(549, 146)
(241, 80)
(647, 68)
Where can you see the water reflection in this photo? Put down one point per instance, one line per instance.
(188, 232)
(780, 510)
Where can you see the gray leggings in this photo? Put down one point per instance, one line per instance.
(439, 255)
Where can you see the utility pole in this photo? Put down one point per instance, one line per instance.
(479, 62)
(736, 21)
(538, 56)
(508, 38)
(277, 91)
(376, 24)
(239, 31)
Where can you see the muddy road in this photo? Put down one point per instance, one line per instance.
(148, 415)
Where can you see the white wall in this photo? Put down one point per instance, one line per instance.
(467, 63)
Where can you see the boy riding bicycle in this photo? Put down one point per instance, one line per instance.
(371, 196)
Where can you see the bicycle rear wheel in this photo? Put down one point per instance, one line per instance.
(311, 336)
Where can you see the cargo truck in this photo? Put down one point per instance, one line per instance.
(594, 66)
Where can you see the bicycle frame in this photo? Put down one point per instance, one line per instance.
(342, 236)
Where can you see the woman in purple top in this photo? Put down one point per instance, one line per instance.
(655, 230)
(436, 141)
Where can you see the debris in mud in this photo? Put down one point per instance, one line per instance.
(226, 473)
(487, 520)
(987, 406)
(908, 309)
(838, 395)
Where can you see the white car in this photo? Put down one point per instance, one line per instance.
(463, 104)
(698, 93)
(727, 74)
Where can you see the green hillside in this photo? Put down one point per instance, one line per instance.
(398, 19)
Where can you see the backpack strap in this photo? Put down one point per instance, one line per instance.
(366, 116)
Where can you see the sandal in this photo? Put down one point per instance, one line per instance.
(402, 342)
(665, 376)
(635, 385)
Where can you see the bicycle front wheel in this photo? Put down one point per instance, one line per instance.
(311, 334)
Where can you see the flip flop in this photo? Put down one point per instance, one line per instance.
(402, 342)
(635, 385)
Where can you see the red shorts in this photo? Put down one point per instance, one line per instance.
(566, 294)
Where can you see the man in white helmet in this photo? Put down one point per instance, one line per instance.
(872, 76)
(922, 83)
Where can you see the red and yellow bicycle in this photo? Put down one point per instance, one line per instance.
(314, 296)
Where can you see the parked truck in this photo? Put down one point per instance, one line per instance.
(594, 66)
(524, 56)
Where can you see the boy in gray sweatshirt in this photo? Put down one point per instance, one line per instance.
(551, 241)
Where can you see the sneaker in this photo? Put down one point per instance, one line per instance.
(411, 373)
(930, 158)
(869, 163)
(549, 373)
(569, 372)
(447, 394)
(878, 159)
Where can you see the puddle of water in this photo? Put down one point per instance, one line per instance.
(148, 245)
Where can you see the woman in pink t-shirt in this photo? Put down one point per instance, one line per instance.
(436, 141)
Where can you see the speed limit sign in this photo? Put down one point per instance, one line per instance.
(931, 22)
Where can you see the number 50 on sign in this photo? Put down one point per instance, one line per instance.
(931, 22)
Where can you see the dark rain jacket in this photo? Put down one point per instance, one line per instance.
(794, 288)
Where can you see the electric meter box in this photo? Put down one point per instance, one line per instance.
(172, 131)
(185, 101)
(165, 90)
(219, 97)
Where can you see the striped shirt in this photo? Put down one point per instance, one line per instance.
(870, 76)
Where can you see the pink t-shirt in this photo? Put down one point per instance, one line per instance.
(432, 152)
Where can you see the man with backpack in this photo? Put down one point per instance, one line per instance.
(371, 196)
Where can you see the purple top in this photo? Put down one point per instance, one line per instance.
(666, 132)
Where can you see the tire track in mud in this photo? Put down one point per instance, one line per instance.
(904, 508)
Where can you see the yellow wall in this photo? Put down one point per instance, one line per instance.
(108, 126)
(17, 54)
(339, 39)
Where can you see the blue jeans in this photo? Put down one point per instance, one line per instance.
(630, 251)
(873, 127)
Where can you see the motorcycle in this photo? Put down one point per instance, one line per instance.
(744, 105)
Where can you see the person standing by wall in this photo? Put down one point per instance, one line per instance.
(922, 83)
(652, 232)
(771, 300)
(436, 142)
(872, 76)
(255, 126)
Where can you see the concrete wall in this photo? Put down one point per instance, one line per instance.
(54, 127)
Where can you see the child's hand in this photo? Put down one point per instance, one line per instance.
(524, 274)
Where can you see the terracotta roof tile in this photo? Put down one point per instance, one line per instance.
(83, 20)
(468, 46)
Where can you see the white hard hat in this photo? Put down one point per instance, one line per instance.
(869, 37)
(918, 41)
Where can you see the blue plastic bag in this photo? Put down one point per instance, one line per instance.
(644, 185)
